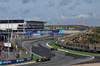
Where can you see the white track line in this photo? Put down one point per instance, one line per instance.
(28, 50)
(71, 52)
(58, 49)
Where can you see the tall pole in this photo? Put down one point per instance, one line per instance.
(23, 31)
(0, 32)
(8, 38)
(12, 30)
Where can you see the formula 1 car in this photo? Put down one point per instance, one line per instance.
(43, 59)
(54, 49)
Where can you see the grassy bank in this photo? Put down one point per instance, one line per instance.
(73, 51)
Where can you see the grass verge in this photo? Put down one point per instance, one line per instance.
(73, 51)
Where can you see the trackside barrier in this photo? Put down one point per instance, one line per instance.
(43, 31)
(83, 50)
(33, 39)
(16, 60)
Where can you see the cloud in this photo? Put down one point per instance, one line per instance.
(34, 1)
(25, 1)
(80, 16)
(4, 0)
(92, 14)
(72, 7)
(4, 8)
(51, 3)
(90, 1)
(36, 18)
(30, 18)
(65, 2)
(77, 16)
(25, 11)
(61, 17)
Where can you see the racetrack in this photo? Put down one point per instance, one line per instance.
(59, 58)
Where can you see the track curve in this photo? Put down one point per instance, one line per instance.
(59, 58)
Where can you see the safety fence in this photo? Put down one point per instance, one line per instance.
(33, 38)
(16, 60)
(79, 49)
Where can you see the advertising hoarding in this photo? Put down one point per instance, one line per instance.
(47, 28)
(15, 61)
(61, 28)
(66, 28)
(71, 28)
(7, 44)
(12, 21)
(43, 31)
(53, 28)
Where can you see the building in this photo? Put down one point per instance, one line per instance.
(22, 26)
(22, 29)
(31, 25)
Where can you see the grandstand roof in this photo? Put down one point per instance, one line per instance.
(36, 21)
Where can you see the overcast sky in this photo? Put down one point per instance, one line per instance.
(63, 12)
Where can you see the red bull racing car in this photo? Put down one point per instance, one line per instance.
(43, 59)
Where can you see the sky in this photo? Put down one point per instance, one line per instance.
(54, 12)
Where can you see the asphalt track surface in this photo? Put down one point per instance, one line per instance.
(58, 58)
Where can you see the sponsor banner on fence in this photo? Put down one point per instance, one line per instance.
(61, 28)
(44, 31)
(48, 31)
(15, 61)
(71, 28)
(66, 28)
(47, 28)
(53, 28)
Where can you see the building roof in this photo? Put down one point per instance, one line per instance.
(36, 21)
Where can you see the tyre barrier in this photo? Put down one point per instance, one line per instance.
(3, 62)
(78, 49)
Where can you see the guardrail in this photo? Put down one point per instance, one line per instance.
(78, 49)
(33, 38)
(16, 60)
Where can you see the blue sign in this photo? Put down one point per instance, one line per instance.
(15, 61)
(66, 28)
(53, 28)
(29, 32)
(44, 31)
(62, 47)
(27, 58)
(38, 31)
(60, 31)
(0, 62)
(52, 42)
(6, 59)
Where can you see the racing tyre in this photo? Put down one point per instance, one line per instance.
(37, 60)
